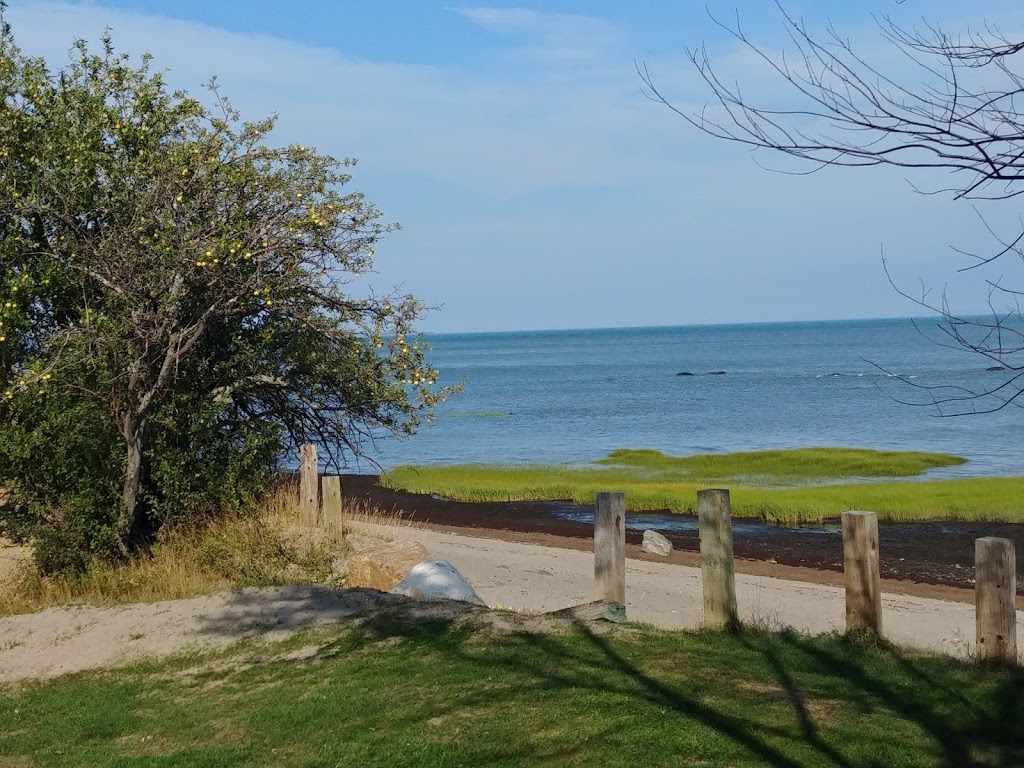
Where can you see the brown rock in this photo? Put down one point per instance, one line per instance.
(384, 566)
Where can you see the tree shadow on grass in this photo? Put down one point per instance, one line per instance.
(980, 727)
(983, 733)
(262, 611)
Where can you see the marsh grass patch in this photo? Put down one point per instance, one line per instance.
(786, 487)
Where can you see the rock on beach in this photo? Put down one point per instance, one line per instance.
(384, 566)
(656, 544)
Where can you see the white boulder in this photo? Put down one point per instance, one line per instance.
(436, 580)
(656, 544)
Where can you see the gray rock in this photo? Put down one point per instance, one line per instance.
(436, 580)
(656, 544)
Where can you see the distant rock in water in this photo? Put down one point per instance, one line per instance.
(684, 373)
(996, 368)
(716, 373)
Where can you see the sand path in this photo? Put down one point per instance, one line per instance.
(534, 578)
(523, 577)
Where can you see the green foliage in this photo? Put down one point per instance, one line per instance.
(175, 310)
(260, 547)
(56, 458)
(417, 692)
(797, 494)
(249, 553)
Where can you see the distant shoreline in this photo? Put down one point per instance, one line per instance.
(689, 326)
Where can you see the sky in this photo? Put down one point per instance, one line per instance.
(536, 185)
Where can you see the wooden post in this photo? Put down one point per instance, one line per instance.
(995, 588)
(861, 572)
(309, 486)
(332, 517)
(717, 569)
(610, 547)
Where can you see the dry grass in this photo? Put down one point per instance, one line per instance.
(360, 515)
(237, 551)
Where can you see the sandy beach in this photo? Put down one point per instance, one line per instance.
(516, 576)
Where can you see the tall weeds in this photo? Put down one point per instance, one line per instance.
(258, 549)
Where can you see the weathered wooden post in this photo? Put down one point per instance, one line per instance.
(995, 590)
(861, 572)
(610, 547)
(331, 492)
(717, 570)
(309, 486)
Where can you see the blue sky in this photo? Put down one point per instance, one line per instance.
(537, 187)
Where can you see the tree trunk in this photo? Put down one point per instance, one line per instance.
(128, 521)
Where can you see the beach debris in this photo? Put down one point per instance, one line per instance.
(384, 566)
(656, 544)
(436, 580)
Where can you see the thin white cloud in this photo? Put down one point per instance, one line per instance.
(496, 137)
(529, 20)
(561, 178)
(560, 35)
(542, 24)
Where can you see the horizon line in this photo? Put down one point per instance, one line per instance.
(688, 325)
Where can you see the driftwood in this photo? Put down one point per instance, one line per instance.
(599, 610)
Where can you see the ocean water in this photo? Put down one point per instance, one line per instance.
(573, 396)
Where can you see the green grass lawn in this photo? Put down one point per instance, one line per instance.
(396, 693)
(777, 486)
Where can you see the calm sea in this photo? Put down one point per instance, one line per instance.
(573, 396)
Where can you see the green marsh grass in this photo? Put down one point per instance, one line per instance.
(779, 486)
(400, 692)
(800, 465)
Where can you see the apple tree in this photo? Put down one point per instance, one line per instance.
(177, 311)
